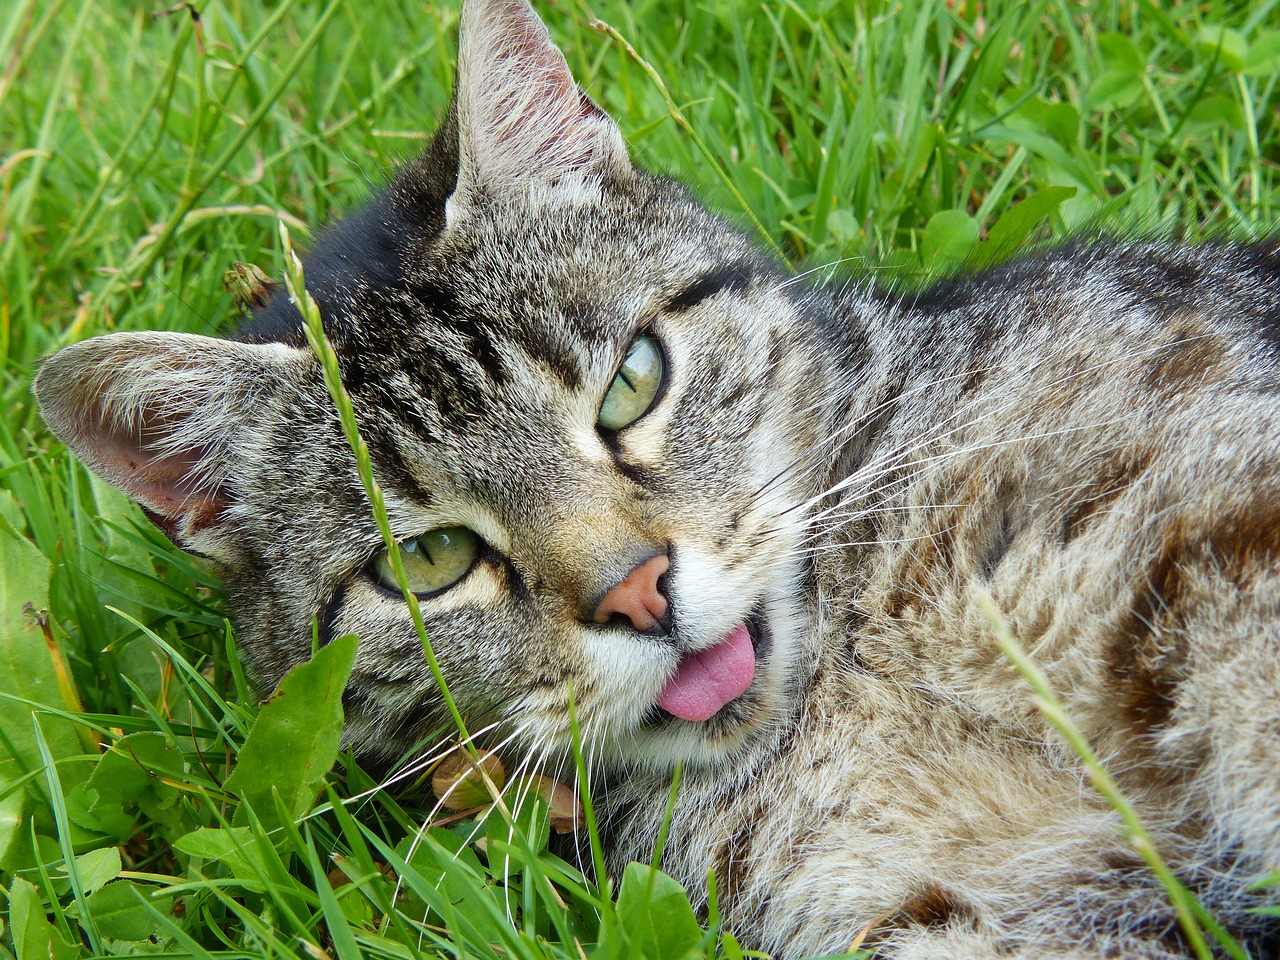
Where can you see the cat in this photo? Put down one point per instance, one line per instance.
(750, 524)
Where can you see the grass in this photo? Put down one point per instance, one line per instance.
(141, 155)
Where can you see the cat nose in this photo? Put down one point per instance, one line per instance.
(640, 597)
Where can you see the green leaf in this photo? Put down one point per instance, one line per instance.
(98, 867)
(133, 771)
(843, 226)
(28, 674)
(1018, 221)
(1230, 46)
(85, 811)
(1114, 90)
(1062, 122)
(11, 516)
(26, 662)
(120, 913)
(235, 847)
(1211, 114)
(656, 915)
(294, 741)
(1121, 54)
(11, 808)
(248, 853)
(949, 237)
(1263, 58)
(34, 937)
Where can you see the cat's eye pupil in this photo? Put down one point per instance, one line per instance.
(635, 386)
(432, 562)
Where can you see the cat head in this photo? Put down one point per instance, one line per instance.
(591, 406)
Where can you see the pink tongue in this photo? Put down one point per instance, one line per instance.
(708, 679)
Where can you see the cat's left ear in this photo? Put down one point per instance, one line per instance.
(524, 126)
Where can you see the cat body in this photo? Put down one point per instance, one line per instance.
(1094, 494)
(770, 561)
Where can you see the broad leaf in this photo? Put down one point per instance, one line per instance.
(1114, 90)
(134, 771)
(949, 237)
(27, 673)
(1263, 58)
(1121, 53)
(11, 806)
(235, 847)
(34, 937)
(294, 741)
(1228, 45)
(97, 868)
(120, 912)
(1012, 229)
(656, 915)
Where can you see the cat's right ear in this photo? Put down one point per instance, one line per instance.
(159, 415)
(524, 127)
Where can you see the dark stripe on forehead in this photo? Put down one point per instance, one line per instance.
(413, 376)
(733, 277)
(475, 328)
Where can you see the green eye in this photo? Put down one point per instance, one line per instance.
(634, 387)
(433, 561)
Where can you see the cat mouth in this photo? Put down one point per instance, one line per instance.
(708, 680)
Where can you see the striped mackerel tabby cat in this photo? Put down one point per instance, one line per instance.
(751, 523)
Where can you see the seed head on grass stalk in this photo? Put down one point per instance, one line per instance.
(313, 327)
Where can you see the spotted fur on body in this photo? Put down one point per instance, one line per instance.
(1086, 435)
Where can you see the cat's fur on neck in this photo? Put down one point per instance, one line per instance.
(1085, 435)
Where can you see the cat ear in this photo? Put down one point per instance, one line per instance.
(524, 125)
(158, 415)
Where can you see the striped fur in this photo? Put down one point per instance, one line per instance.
(1086, 435)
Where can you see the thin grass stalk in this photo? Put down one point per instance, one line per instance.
(665, 827)
(313, 327)
(588, 810)
(683, 122)
(89, 208)
(150, 252)
(1051, 707)
(58, 803)
(44, 148)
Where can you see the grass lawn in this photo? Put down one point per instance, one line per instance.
(144, 151)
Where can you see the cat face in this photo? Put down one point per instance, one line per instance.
(583, 399)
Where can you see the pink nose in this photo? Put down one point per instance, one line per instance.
(637, 597)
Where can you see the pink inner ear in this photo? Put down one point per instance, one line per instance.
(169, 483)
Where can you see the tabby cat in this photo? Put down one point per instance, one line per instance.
(750, 523)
